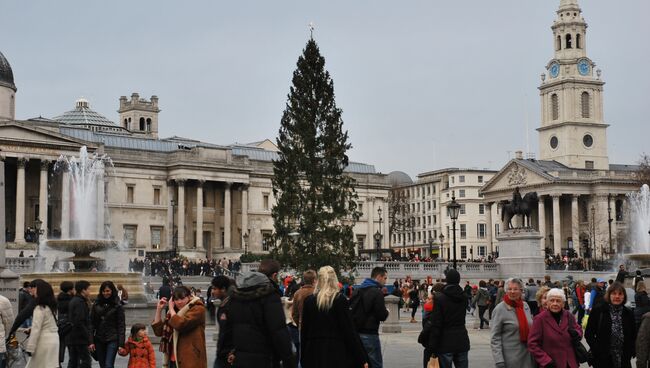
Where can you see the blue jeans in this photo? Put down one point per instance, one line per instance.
(220, 363)
(460, 360)
(106, 352)
(373, 348)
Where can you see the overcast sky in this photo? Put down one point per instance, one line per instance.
(422, 84)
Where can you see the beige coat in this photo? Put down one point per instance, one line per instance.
(43, 340)
(6, 319)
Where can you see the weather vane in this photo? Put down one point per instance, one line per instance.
(311, 29)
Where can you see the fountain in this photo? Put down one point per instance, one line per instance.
(87, 231)
(640, 226)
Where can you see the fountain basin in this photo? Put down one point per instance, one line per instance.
(643, 259)
(82, 248)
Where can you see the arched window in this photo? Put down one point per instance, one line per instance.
(148, 124)
(126, 124)
(141, 124)
(578, 39)
(586, 104)
(555, 107)
(568, 41)
(558, 43)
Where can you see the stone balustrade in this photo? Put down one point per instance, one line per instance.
(22, 265)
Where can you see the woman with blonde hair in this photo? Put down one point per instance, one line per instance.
(541, 297)
(327, 327)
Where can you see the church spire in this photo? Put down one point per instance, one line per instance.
(569, 31)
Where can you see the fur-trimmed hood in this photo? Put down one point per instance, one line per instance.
(253, 285)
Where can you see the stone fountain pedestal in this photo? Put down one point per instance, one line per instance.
(520, 254)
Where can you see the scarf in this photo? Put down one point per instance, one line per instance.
(169, 339)
(617, 337)
(521, 317)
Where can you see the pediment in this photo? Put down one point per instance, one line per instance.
(515, 174)
(20, 135)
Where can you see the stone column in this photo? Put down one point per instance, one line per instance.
(42, 199)
(199, 215)
(20, 201)
(575, 224)
(557, 225)
(244, 212)
(227, 216)
(181, 214)
(371, 217)
(488, 226)
(3, 239)
(541, 221)
(65, 205)
(602, 227)
(612, 203)
(8, 279)
(170, 215)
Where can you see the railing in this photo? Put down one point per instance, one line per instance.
(24, 264)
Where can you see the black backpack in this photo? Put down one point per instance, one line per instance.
(358, 309)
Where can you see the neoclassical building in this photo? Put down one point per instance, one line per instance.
(198, 198)
(582, 195)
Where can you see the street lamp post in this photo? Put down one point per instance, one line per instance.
(381, 222)
(37, 225)
(442, 244)
(430, 247)
(453, 209)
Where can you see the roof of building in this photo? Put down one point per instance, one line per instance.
(83, 115)
(6, 74)
(399, 178)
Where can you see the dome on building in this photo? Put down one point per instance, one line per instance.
(6, 74)
(83, 115)
(399, 178)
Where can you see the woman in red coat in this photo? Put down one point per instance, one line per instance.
(549, 340)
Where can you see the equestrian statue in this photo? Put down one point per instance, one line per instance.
(519, 206)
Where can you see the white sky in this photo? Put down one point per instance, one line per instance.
(422, 84)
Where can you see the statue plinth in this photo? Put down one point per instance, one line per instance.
(520, 253)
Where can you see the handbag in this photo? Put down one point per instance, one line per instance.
(582, 355)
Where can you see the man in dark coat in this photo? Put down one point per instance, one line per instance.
(26, 305)
(448, 339)
(369, 311)
(621, 275)
(80, 336)
(259, 333)
(62, 305)
(222, 288)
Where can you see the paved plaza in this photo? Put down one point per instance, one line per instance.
(399, 350)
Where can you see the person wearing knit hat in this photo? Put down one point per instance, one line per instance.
(447, 337)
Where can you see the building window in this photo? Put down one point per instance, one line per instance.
(361, 241)
(568, 41)
(589, 165)
(462, 209)
(265, 202)
(434, 204)
(619, 210)
(156, 196)
(555, 107)
(129, 193)
(452, 180)
(558, 43)
(429, 205)
(148, 124)
(480, 179)
(481, 251)
(461, 193)
(130, 232)
(429, 220)
(434, 219)
(156, 235)
(481, 209)
(496, 229)
(433, 189)
(578, 45)
(463, 231)
(463, 251)
(461, 178)
(266, 240)
(141, 124)
(481, 230)
(428, 190)
(586, 104)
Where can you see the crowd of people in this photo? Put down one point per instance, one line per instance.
(300, 320)
(414, 257)
(183, 267)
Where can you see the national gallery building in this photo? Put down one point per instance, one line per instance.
(172, 194)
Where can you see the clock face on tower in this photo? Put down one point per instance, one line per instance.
(554, 69)
(584, 67)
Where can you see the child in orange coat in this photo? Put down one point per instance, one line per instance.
(140, 348)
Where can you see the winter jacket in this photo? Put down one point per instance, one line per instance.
(326, 332)
(141, 353)
(23, 315)
(507, 347)
(641, 306)
(259, 332)
(549, 341)
(107, 318)
(373, 304)
(190, 346)
(482, 297)
(448, 333)
(298, 300)
(62, 304)
(6, 317)
(43, 342)
(79, 315)
(643, 343)
(224, 340)
(598, 333)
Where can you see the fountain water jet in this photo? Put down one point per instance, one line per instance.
(640, 226)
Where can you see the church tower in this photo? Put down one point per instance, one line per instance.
(572, 129)
(139, 115)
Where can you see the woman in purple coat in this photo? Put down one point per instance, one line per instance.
(550, 339)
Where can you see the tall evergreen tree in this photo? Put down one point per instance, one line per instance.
(316, 209)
